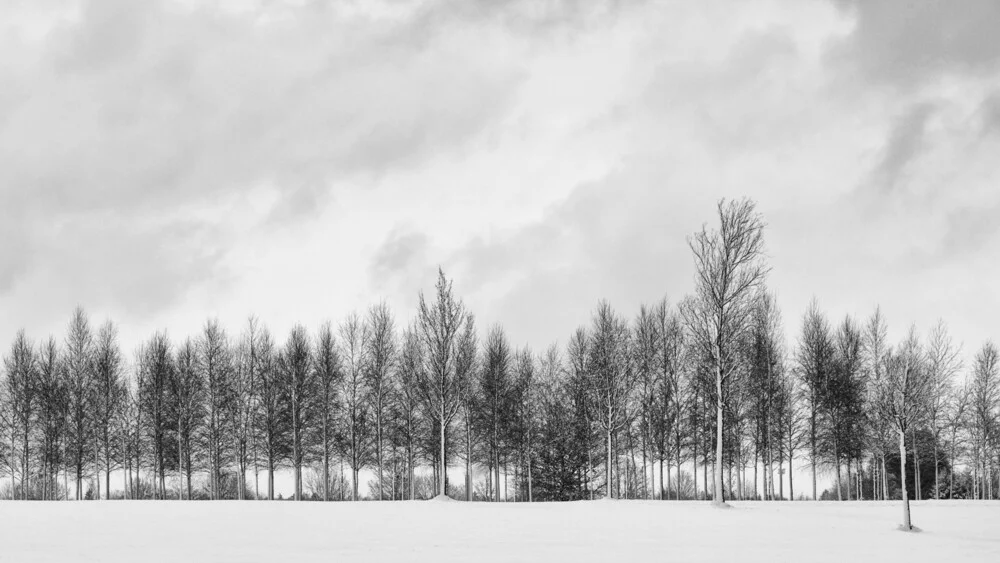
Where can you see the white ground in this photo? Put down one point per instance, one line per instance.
(119, 531)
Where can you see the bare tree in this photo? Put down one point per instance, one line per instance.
(243, 403)
(271, 424)
(355, 439)
(440, 323)
(215, 368)
(612, 380)
(22, 404)
(79, 366)
(956, 417)
(186, 390)
(295, 366)
(466, 366)
(329, 373)
(944, 363)
(729, 271)
(984, 412)
(493, 391)
(902, 399)
(109, 393)
(407, 398)
(155, 374)
(53, 414)
(815, 359)
(879, 432)
(380, 355)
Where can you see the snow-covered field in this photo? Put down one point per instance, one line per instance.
(436, 531)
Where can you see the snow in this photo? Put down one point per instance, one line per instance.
(231, 531)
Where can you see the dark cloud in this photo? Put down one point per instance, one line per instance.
(621, 238)
(968, 230)
(989, 114)
(142, 111)
(400, 264)
(905, 143)
(906, 43)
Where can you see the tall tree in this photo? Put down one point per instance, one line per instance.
(328, 378)
(466, 366)
(53, 412)
(879, 432)
(271, 423)
(843, 402)
(729, 271)
(109, 395)
(243, 402)
(984, 411)
(902, 399)
(815, 359)
(355, 439)
(440, 322)
(79, 366)
(407, 399)
(215, 368)
(646, 358)
(944, 363)
(186, 392)
(493, 393)
(155, 374)
(612, 380)
(380, 355)
(22, 394)
(295, 366)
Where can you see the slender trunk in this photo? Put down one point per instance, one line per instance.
(694, 460)
(378, 452)
(444, 467)
(902, 473)
(607, 473)
(270, 476)
(663, 492)
(791, 486)
(951, 472)
(719, 496)
(468, 458)
(326, 459)
(530, 497)
(849, 483)
(836, 462)
(916, 465)
(937, 477)
(409, 466)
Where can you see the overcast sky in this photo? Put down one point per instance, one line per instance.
(163, 162)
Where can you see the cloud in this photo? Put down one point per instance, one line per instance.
(905, 44)
(401, 258)
(907, 139)
(162, 118)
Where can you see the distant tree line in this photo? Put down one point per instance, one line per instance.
(702, 399)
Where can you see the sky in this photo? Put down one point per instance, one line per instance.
(164, 162)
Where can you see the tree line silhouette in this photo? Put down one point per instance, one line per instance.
(698, 399)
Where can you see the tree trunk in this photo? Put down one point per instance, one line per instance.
(409, 469)
(836, 462)
(468, 459)
(791, 486)
(719, 496)
(663, 492)
(530, 497)
(937, 476)
(902, 473)
(916, 466)
(444, 468)
(607, 474)
(378, 452)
